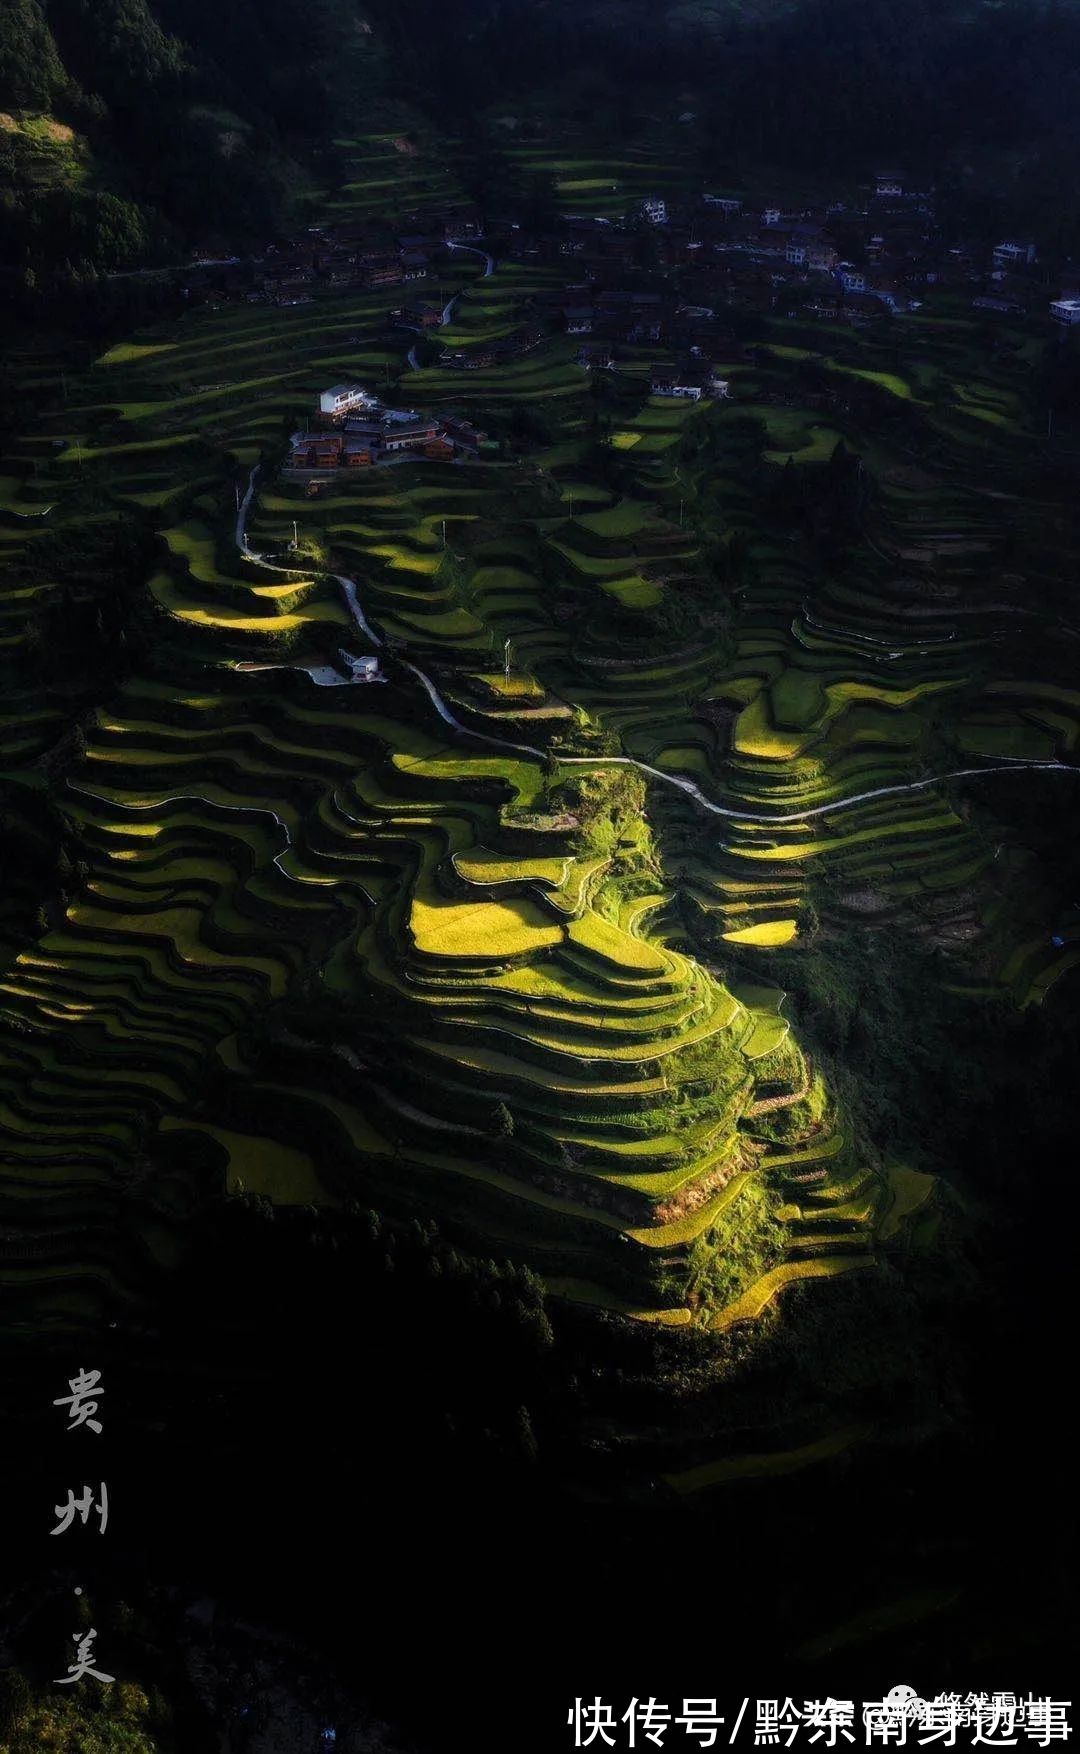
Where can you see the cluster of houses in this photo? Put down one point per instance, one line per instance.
(351, 254)
(852, 263)
(689, 382)
(353, 429)
(606, 321)
(491, 353)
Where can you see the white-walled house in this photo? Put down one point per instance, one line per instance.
(654, 208)
(852, 279)
(1011, 254)
(343, 398)
(667, 382)
(1065, 311)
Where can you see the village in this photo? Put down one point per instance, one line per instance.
(854, 263)
(676, 278)
(668, 286)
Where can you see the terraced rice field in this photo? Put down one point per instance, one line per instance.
(607, 182)
(336, 941)
(387, 175)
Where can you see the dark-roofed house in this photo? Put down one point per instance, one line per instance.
(470, 359)
(462, 432)
(386, 272)
(998, 307)
(419, 315)
(463, 222)
(596, 355)
(404, 434)
(316, 450)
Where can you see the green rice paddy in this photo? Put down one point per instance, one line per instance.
(453, 932)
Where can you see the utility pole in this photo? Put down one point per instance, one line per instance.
(444, 532)
(295, 541)
(506, 660)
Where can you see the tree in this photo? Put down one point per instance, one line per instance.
(524, 1434)
(118, 49)
(528, 426)
(31, 72)
(502, 1122)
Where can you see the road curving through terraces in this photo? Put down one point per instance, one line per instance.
(765, 818)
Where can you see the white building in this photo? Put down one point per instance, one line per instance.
(360, 670)
(852, 279)
(726, 203)
(670, 383)
(889, 186)
(343, 398)
(1013, 255)
(1065, 310)
(654, 208)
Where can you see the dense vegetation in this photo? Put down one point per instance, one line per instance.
(134, 129)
